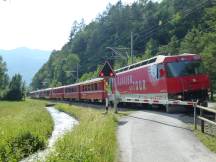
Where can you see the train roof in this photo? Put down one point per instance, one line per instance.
(70, 85)
(40, 90)
(154, 60)
(91, 81)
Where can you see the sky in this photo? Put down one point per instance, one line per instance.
(44, 24)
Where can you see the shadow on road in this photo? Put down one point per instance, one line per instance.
(155, 121)
(186, 117)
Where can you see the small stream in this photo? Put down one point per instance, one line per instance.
(62, 123)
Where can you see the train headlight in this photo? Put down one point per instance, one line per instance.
(179, 97)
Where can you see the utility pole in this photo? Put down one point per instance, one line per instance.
(77, 72)
(131, 47)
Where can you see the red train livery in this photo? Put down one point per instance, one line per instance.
(167, 80)
(91, 90)
(163, 80)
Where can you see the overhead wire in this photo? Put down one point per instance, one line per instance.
(186, 12)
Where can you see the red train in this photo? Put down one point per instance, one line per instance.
(91, 90)
(165, 80)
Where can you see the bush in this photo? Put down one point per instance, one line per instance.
(21, 146)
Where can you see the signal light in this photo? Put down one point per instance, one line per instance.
(106, 71)
(101, 74)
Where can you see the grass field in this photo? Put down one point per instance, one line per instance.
(208, 138)
(24, 128)
(92, 140)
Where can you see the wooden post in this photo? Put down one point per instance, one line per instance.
(202, 121)
(215, 117)
(115, 97)
(195, 117)
(106, 104)
(115, 105)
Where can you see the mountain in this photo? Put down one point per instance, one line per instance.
(24, 61)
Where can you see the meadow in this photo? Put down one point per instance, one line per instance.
(92, 140)
(25, 127)
(208, 140)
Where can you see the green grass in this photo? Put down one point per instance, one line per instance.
(208, 140)
(24, 128)
(92, 140)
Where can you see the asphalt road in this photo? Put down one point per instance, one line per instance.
(147, 136)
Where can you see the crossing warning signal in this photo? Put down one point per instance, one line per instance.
(106, 71)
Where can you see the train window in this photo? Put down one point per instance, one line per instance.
(67, 90)
(144, 63)
(161, 73)
(151, 60)
(131, 67)
(184, 68)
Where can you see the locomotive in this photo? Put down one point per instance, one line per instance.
(161, 80)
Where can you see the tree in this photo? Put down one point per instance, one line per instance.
(172, 48)
(209, 58)
(151, 49)
(4, 79)
(192, 42)
(16, 89)
(173, 45)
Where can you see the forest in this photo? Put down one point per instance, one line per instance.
(170, 27)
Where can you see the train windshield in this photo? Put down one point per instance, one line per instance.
(184, 68)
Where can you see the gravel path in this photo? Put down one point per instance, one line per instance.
(147, 136)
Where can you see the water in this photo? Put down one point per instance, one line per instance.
(62, 123)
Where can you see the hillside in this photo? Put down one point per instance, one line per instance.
(169, 27)
(24, 61)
